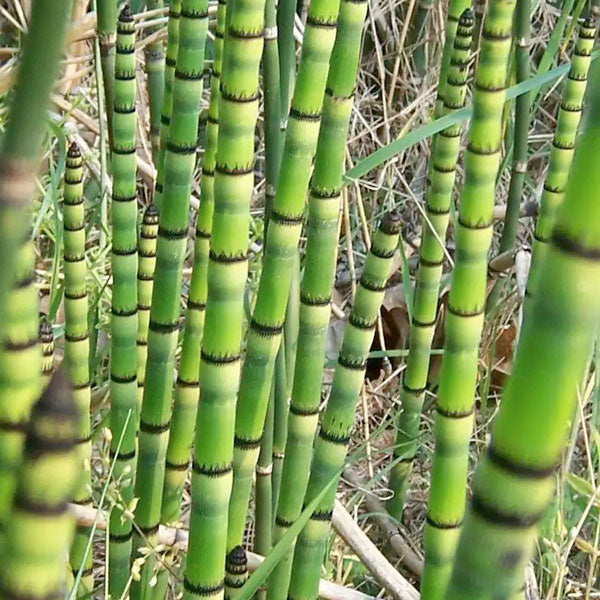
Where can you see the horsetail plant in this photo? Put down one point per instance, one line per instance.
(563, 147)
(236, 572)
(279, 259)
(145, 283)
(331, 444)
(167, 104)
(40, 526)
(514, 481)
(46, 337)
(180, 158)
(22, 139)
(77, 347)
(465, 312)
(227, 272)
(20, 374)
(123, 359)
(317, 283)
(106, 29)
(438, 199)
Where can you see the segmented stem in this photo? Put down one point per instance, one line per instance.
(77, 350)
(46, 337)
(236, 572)
(331, 444)
(464, 317)
(514, 481)
(106, 29)
(438, 199)
(124, 323)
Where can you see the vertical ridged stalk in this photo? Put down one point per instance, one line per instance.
(227, 273)
(332, 442)
(418, 35)
(145, 283)
(465, 313)
(22, 140)
(280, 419)
(563, 147)
(455, 9)
(77, 350)
(20, 374)
(46, 337)
(40, 526)
(180, 159)
(286, 47)
(317, 283)
(279, 259)
(123, 360)
(167, 105)
(187, 387)
(514, 481)
(236, 572)
(438, 199)
(106, 29)
(155, 71)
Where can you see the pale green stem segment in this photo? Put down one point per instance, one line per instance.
(187, 387)
(563, 148)
(20, 374)
(167, 105)
(332, 442)
(317, 283)
(46, 337)
(145, 284)
(514, 481)
(40, 526)
(227, 273)
(279, 259)
(465, 313)
(180, 160)
(438, 199)
(236, 572)
(106, 28)
(124, 322)
(77, 348)
(155, 70)
(22, 140)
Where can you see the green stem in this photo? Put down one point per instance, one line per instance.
(41, 526)
(145, 284)
(106, 28)
(279, 258)
(514, 481)
(124, 322)
(418, 35)
(286, 13)
(280, 420)
(46, 337)
(77, 351)
(236, 572)
(22, 139)
(438, 200)
(180, 160)
(227, 273)
(332, 442)
(563, 148)
(466, 303)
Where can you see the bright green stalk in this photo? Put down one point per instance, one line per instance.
(145, 283)
(286, 46)
(106, 28)
(280, 420)
(22, 139)
(227, 273)
(46, 337)
(331, 444)
(187, 387)
(180, 160)
(155, 70)
(563, 147)
(40, 527)
(317, 283)
(465, 314)
(123, 360)
(514, 481)
(438, 199)
(167, 106)
(280, 253)
(236, 572)
(77, 351)
(418, 34)
(20, 374)
(455, 9)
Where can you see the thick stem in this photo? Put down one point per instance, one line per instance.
(106, 28)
